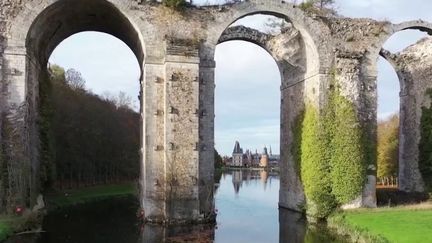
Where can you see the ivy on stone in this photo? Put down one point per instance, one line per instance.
(47, 171)
(329, 151)
(315, 169)
(346, 153)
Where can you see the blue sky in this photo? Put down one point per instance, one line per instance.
(247, 79)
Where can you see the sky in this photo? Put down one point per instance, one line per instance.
(247, 78)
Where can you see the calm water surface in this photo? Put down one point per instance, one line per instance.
(247, 204)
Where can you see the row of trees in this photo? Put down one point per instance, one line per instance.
(86, 139)
(388, 149)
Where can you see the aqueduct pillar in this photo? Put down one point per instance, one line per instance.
(177, 177)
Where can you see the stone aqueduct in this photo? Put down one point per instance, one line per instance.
(176, 54)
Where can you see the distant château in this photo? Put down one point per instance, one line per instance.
(249, 159)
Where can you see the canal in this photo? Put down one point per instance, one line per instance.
(247, 211)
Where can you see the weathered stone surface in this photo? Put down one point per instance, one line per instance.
(176, 54)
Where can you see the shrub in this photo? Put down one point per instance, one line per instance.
(306, 6)
(174, 4)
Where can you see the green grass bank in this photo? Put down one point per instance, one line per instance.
(58, 199)
(398, 224)
(6, 228)
(64, 198)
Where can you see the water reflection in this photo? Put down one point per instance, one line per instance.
(247, 203)
(250, 176)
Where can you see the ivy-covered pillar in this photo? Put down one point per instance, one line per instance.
(354, 100)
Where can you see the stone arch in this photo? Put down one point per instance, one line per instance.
(313, 32)
(388, 30)
(38, 27)
(288, 59)
(420, 25)
(51, 22)
(243, 33)
(302, 77)
(392, 60)
(409, 175)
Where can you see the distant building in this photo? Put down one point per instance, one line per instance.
(264, 161)
(250, 159)
(237, 155)
(273, 159)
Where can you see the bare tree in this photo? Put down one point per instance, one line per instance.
(75, 79)
(123, 100)
(325, 3)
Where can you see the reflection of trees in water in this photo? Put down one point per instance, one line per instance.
(115, 220)
(173, 234)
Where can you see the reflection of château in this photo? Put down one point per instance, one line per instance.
(249, 159)
(247, 176)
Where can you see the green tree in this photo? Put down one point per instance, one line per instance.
(325, 3)
(218, 160)
(175, 4)
(95, 140)
(388, 147)
(318, 6)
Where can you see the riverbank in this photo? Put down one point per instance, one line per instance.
(64, 198)
(392, 224)
(12, 224)
(6, 227)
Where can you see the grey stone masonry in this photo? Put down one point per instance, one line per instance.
(176, 55)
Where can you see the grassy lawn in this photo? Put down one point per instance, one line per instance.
(400, 224)
(77, 196)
